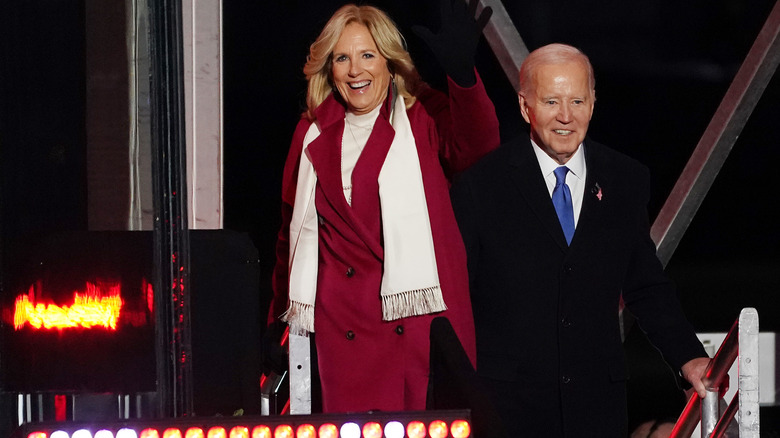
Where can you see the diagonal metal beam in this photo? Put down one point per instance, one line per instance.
(718, 139)
(504, 40)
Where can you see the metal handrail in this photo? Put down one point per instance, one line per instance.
(727, 418)
(706, 410)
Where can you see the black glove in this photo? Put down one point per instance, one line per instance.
(456, 43)
(273, 353)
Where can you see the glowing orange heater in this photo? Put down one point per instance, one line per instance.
(97, 306)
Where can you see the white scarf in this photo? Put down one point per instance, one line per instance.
(410, 281)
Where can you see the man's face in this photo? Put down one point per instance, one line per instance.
(558, 107)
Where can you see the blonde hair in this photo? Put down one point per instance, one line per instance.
(389, 42)
(553, 54)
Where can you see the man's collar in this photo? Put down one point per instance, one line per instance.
(576, 163)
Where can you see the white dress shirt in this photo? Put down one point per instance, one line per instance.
(575, 178)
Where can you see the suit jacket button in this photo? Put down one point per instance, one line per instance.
(565, 379)
(566, 322)
(350, 335)
(350, 272)
(399, 329)
(568, 269)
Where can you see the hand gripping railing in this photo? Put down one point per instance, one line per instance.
(741, 342)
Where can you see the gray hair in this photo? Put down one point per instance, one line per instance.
(553, 54)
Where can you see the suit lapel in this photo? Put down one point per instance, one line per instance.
(527, 177)
(597, 184)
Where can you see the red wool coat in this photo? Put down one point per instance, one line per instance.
(366, 363)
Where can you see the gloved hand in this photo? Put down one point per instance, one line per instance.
(273, 353)
(456, 43)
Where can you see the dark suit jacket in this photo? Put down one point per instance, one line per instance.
(546, 314)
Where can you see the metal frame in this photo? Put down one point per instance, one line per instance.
(504, 40)
(171, 238)
(718, 139)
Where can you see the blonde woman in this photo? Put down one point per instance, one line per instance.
(369, 251)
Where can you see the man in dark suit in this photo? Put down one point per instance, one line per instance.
(550, 252)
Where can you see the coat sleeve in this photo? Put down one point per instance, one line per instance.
(279, 281)
(465, 124)
(650, 295)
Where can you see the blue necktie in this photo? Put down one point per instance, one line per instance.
(561, 198)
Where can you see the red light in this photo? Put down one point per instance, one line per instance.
(329, 431)
(98, 306)
(172, 433)
(239, 432)
(36, 435)
(460, 429)
(305, 431)
(437, 429)
(194, 432)
(416, 429)
(372, 430)
(149, 433)
(149, 296)
(217, 432)
(283, 431)
(261, 432)
(60, 408)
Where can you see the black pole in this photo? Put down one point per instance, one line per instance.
(171, 238)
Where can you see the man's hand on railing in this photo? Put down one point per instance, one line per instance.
(693, 371)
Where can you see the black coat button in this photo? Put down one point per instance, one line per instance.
(350, 335)
(350, 272)
(399, 329)
(565, 379)
(566, 322)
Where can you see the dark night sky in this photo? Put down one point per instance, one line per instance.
(662, 68)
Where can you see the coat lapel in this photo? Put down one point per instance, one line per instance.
(325, 154)
(527, 177)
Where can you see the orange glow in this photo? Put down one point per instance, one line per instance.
(437, 429)
(283, 431)
(416, 429)
(460, 429)
(172, 433)
(97, 306)
(329, 431)
(305, 431)
(36, 435)
(261, 432)
(149, 433)
(372, 430)
(217, 432)
(194, 432)
(239, 432)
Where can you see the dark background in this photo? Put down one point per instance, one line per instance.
(662, 68)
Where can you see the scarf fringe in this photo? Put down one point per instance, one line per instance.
(300, 318)
(412, 303)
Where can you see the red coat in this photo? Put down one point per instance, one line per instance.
(366, 363)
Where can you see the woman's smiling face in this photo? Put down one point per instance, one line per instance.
(360, 72)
